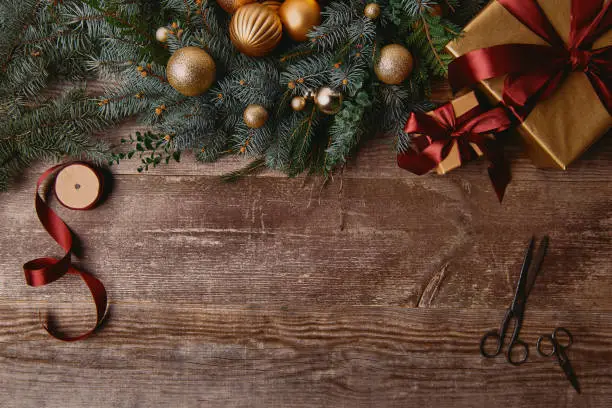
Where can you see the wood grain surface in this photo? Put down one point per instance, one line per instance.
(371, 291)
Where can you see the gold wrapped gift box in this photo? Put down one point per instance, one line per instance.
(461, 105)
(562, 127)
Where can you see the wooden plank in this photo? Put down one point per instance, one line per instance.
(429, 242)
(164, 354)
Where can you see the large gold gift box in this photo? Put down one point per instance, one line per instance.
(561, 128)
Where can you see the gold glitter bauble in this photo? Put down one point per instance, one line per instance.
(328, 101)
(371, 11)
(273, 4)
(394, 65)
(298, 103)
(299, 17)
(161, 34)
(191, 71)
(255, 116)
(255, 29)
(232, 5)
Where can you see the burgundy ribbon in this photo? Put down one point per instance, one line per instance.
(42, 271)
(534, 72)
(438, 133)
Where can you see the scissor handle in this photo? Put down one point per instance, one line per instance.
(524, 355)
(556, 342)
(549, 339)
(483, 341)
(560, 339)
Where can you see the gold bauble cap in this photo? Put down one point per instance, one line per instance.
(255, 29)
(299, 17)
(191, 71)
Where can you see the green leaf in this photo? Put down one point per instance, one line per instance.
(177, 156)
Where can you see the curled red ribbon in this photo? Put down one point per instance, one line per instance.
(42, 271)
(438, 133)
(534, 72)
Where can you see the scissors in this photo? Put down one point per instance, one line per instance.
(516, 311)
(559, 345)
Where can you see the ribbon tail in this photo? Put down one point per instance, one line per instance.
(98, 293)
(499, 168)
(424, 161)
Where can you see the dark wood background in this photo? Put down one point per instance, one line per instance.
(274, 292)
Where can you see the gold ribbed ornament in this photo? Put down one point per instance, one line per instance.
(299, 17)
(255, 30)
(191, 71)
(232, 5)
(394, 65)
(273, 4)
(255, 116)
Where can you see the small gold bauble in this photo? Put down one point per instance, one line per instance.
(328, 100)
(191, 71)
(161, 34)
(299, 17)
(255, 29)
(298, 103)
(273, 4)
(394, 64)
(232, 5)
(255, 116)
(372, 11)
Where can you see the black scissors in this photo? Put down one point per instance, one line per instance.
(561, 339)
(516, 311)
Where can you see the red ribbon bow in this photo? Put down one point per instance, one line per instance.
(42, 271)
(440, 131)
(536, 71)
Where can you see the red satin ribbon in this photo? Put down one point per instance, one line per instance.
(438, 133)
(42, 271)
(534, 72)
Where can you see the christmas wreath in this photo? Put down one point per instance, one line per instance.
(294, 86)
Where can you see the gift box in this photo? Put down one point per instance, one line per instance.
(559, 127)
(454, 133)
(461, 105)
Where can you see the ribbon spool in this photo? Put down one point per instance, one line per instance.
(78, 186)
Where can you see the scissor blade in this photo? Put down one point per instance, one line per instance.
(537, 264)
(571, 375)
(520, 287)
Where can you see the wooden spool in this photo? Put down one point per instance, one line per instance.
(78, 187)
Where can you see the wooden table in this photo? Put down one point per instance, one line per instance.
(274, 292)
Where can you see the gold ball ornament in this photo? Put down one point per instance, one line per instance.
(191, 71)
(161, 34)
(298, 103)
(231, 6)
(394, 65)
(273, 4)
(299, 17)
(371, 11)
(255, 29)
(328, 100)
(255, 116)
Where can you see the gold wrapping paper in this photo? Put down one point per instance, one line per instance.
(562, 127)
(461, 105)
